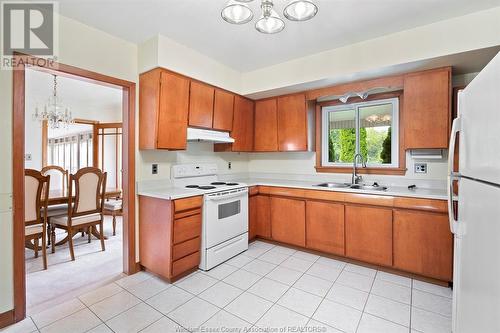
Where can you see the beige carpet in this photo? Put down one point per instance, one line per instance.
(64, 279)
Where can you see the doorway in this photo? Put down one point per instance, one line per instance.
(127, 135)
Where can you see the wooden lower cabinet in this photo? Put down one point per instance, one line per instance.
(325, 227)
(368, 233)
(288, 221)
(259, 217)
(169, 235)
(423, 244)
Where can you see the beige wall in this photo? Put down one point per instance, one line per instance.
(81, 46)
(465, 33)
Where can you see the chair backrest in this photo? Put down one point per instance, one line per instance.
(90, 189)
(59, 177)
(36, 196)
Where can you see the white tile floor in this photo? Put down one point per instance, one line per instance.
(267, 287)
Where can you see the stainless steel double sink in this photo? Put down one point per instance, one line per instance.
(353, 186)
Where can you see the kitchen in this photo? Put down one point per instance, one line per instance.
(330, 204)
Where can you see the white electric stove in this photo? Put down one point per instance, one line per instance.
(225, 212)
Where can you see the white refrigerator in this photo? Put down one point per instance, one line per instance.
(476, 226)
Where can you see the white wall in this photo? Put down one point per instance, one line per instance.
(81, 46)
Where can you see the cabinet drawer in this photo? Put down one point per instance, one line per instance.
(188, 247)
(187, 228)
(285, 192)
(440, 206)
(182, 265)
(188, 203)
(369, 199)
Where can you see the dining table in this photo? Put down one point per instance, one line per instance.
(61, 196)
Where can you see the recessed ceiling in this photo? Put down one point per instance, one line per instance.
(198, 25)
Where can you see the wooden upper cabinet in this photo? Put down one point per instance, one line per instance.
(292, 123)
(223, 110)
(163, 110)
(427, 109)
(423, 244)
(325, 227)
(201, 105)
(368, 234)
(288, 223)
(243, 123)
(266, 125)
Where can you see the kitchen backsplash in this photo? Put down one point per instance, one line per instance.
(299, 166)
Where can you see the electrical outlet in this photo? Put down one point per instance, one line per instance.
(27, 157)
(420, 167)
(154, 169)
(229, 165)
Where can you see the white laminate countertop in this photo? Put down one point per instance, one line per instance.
(172, 193)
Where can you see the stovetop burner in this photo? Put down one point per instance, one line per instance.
(218, 183)
(206, 187)
(192, 186)
(232, 184)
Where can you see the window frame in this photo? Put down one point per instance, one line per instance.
(395, 129)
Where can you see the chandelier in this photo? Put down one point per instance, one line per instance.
(238, 12)
(54, 112)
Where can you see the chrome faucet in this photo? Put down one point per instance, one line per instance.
(355, 177)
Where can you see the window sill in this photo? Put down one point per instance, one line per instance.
(370, 171)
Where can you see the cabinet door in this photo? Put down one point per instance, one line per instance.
(288, 221)
(325, 227)
(173, 112)
(369, 234)
(243, 124)
(266, 125)
(427, 112)
(252, 217)
(292, 123)
(259, 217)
(223, 110)
(201, 105)
(423, 244)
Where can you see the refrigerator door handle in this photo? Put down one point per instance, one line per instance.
(455, 129)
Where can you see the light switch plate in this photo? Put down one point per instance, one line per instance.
(154, 169)
(420, 167)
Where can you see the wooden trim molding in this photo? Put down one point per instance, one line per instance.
(18, 132)
(395, 82)
(400, 170)
(45, 142)
(7, 318)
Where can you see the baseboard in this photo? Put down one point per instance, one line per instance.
(7, 318)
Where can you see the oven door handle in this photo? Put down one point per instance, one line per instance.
(228, 196)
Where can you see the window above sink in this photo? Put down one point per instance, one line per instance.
(370, 127)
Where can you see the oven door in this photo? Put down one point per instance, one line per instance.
(225, 215)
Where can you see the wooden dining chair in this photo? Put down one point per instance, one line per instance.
(59, 181)
(113, 207)
(86, 212)
(36, 197)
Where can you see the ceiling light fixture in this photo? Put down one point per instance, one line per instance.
(238, 12)
(300, 10)
(54, 112)
(269, 22)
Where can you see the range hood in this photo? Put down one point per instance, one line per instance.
(197, 134)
